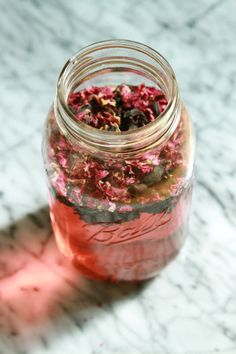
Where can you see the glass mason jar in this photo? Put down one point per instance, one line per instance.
(109, 222)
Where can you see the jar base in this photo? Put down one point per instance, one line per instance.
(90, 274)
(159, 253)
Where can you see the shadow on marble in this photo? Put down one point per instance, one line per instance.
(39, 288)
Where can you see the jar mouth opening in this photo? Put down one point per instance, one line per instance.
(83, 65)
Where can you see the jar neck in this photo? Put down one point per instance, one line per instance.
(112, 63)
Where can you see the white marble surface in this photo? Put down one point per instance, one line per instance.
(45, 306)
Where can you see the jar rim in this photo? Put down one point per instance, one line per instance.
(107, 140)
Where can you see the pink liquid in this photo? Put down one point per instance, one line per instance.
(129, 251)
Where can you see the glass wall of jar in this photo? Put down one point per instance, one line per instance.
(119, 200)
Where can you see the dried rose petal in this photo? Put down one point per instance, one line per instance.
(88, 181)
(101, 174)
(117, 108)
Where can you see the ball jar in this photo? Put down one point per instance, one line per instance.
(119, 201)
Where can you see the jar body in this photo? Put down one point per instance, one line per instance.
(119, 219)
